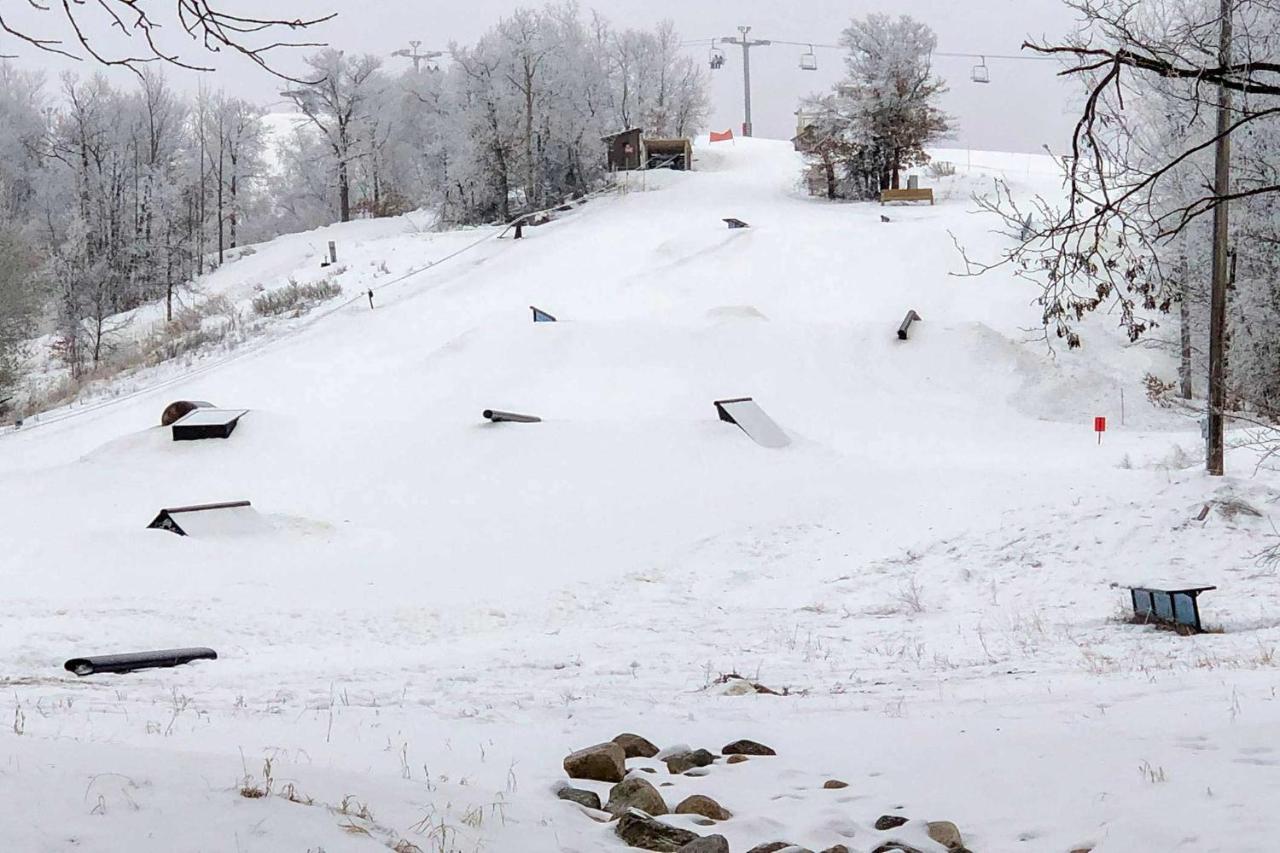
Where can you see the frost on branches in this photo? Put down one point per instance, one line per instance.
(1134, 233)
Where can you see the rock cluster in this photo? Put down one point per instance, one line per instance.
(634, 804)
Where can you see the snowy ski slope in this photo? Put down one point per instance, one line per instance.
(440, 609)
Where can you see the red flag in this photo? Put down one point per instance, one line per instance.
(721, 137)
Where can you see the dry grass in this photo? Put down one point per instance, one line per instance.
(1180, 630)
(295, 299)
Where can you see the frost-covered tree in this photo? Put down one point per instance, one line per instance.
(340, 106)
(882, 115)
(895, 93)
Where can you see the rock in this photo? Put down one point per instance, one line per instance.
(774, 847)
(703, 821)
(746, 747)
(839, 848)
(889, 821)
(674, 749)
(590, 799)
(895, 847)
(834, 784)
(683, 761)
(945, 833)
(604, 762)
(698, 771)
(639, 830)
(736, 759)
(647, 770)
(707, 844)
(635, 793)
(635, 746)
(705, 806)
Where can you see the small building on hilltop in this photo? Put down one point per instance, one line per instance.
(628, 150)
(669, 154)
(624, 149)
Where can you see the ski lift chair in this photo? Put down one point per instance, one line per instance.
(981, 73)
(716, 58)
(809, 60)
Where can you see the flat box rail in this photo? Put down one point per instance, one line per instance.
(906, 195)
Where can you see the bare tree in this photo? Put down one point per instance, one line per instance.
(1169, 87)
(82, 30)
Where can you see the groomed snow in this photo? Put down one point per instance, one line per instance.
(438, 613)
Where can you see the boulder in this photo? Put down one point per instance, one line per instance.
(890, 821)
(834, 784)
(707, 844)
(705, 806)
(775, 846)
(683, 761)
(838, 848)
(895, 847)
(635, 793)
(746, 747)
(736, 759)
(635, 746)
(639, 830)
(604, 762)
(590, 799)
(946, 833)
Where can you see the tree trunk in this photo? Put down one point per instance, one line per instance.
(1214, 452)
(221, 207)
(1184, 318)
(344, 192)
(233, 214)
(530, 173)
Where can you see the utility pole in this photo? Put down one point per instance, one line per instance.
(417, 57)
(746, 45)
(1218, 295)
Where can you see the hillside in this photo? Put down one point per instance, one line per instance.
(437, 610)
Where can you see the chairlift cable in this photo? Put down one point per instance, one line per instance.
(943, 53)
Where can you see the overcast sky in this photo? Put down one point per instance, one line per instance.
(1023, 107)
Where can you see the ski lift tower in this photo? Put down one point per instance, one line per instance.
(746, 44)
(418, 57)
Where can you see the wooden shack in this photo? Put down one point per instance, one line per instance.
(624, 149)
(674, 154)
(629, 149)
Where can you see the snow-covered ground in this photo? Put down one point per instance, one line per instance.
(440, 609)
